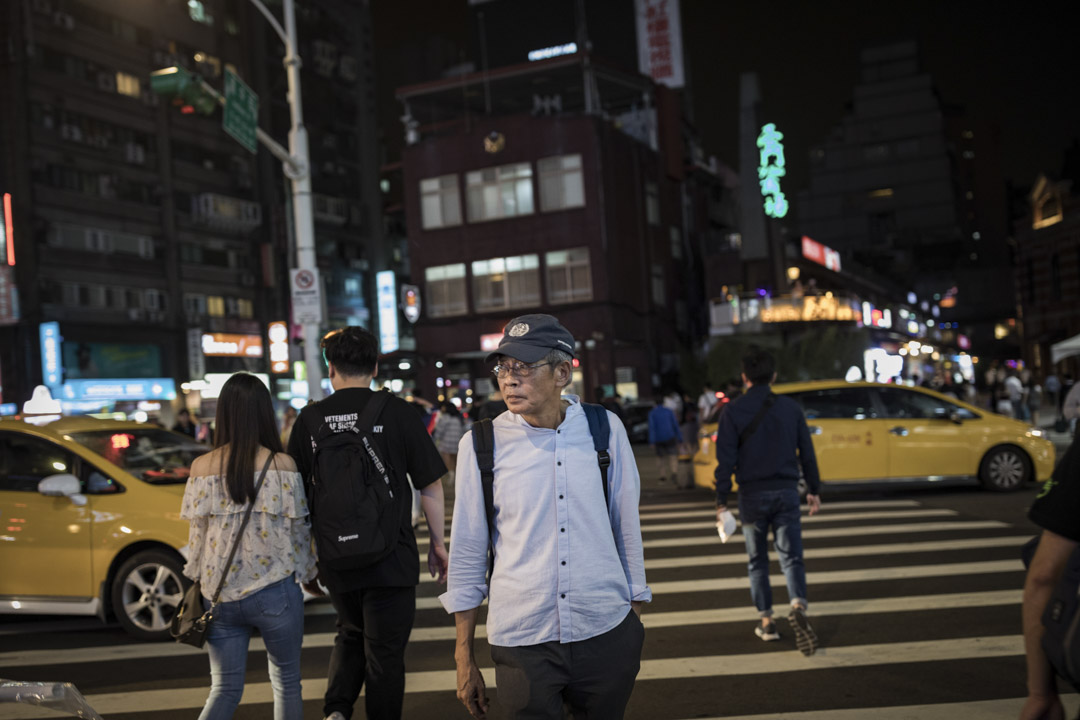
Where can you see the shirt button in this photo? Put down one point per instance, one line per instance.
(563, 596)
(559, 463)
(563, 562)
(562, 529)
(560, 497)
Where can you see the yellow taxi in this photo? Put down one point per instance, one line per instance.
(90, 520)
(872, 433)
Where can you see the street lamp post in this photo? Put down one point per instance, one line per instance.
(299, 174)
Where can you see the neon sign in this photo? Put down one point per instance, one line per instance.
(771, 169)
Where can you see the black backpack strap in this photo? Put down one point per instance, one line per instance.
(372, 410)
(483, 437)
(600, 430)
(753, 426)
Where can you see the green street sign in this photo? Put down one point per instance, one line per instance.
(241, 114)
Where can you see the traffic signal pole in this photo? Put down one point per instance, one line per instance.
(295, 163)
(300, 177)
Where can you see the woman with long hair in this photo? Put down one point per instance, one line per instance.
(274, 551)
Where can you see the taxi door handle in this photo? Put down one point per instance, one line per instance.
(814, 429)
(898, 430)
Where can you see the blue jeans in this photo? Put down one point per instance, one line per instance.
(277, 611)
(778, 509)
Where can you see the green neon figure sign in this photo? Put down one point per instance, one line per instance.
(771, 170)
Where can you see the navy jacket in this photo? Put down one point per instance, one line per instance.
(770, 458)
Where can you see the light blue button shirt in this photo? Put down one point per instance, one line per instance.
(565, 568)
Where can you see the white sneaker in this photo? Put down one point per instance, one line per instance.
(334, 716)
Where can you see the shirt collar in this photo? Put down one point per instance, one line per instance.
(572, 411)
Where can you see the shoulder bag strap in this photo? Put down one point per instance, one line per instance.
(236, 540)
(753, 426)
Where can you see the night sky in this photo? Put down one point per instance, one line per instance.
(1012, 72)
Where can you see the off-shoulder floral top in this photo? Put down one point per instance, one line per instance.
(275, 545)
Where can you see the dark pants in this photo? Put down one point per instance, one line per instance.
(593, 677)
(373, 628)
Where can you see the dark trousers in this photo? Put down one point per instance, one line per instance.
(373, 628)
(593, 677)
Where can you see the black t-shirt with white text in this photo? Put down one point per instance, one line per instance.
(404, 444)
(1057, 506)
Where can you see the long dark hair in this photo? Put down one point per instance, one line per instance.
(245, 420)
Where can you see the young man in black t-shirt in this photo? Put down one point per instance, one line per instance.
(1057, 511)
(375, 604)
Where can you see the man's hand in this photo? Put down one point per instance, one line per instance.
(471, 690)
(313, 587)
(635, 605)
(437, 562)
(814, 501)
(1042, 707)
(720, 509)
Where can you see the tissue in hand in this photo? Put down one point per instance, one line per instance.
(725, 525)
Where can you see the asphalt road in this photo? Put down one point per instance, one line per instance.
(914, 594)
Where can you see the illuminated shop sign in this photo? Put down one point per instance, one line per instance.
(811, 309)
(490, 342)
(278, 332)
(553, 51)
(231, 345)
(52, 367)
(771, 169)
(386, 299)
(820, 254)
(119, 389)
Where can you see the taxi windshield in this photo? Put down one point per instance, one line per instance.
(153, 455)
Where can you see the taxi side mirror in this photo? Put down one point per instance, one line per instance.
(955, 417)
(63, 485)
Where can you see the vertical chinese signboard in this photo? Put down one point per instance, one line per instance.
(659, 34)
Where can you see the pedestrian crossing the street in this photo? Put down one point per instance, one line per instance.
(917, 609)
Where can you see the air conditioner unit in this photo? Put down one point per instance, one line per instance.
(156, 316)
(136, 314)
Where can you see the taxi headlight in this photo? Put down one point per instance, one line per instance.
(1036, 432)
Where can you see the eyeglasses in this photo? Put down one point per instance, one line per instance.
(517, 369)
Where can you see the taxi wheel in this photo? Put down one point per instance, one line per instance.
(1005, 468)
(145, 593)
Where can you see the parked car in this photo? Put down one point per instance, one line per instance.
(875, 433)
(90, 520)
(636, 421)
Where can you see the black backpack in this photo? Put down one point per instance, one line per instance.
(1061, 618)
(483, 435)
(356, 515)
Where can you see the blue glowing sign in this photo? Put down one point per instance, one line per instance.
(52, 363)
(119, 389)
(386, 297)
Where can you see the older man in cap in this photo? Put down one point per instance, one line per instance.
(568, 579)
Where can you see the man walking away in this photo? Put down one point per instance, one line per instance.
(665, 437)
(568, 578)
(764, 440)
(376, 602)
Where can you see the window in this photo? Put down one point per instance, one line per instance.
(901, 403)
(652, 203)
(194, 305)
(446, 290)
(155, 300)
(128, 85)
(215, 306)
(499, 192)
(25, 461)
(659, 297)
(561, 183)
(245, 309)
(510, 282)
(836, 404)
(676, 242)
(352, 286)
(440, 203)
(569, 277)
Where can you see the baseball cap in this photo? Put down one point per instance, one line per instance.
(530, 338)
